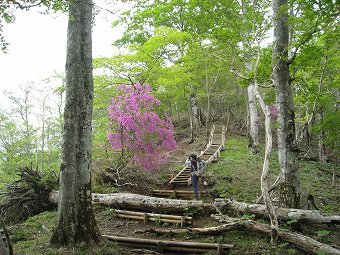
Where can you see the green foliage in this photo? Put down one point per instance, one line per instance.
(236, 159)
(31, 130)
(324, 232)
(248, 217)
(32, 237)
(103, 189)
(188, 212)
(290, 222)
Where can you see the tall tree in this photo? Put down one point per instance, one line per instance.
(284, 99)
(76, 221)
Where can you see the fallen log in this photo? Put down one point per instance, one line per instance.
(176, 246)
(300, 241)
(144, 203)
(313, 216)
(178, 193)
(203, 231)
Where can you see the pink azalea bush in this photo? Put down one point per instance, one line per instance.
(137, 129)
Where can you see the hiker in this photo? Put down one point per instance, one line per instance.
(202, 167)
(188, 162)
(194, 174)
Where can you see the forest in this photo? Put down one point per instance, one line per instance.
(252, 87)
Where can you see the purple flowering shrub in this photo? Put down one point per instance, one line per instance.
(135, 128)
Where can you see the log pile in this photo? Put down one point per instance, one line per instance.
(27, 196)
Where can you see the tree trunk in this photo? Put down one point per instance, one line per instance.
(76, 222)
(265, 169)
(207, 90)
(290, 188)
(145, 203)
(177, 113)
(195, 115)
(253, 120)
(282, 213)
(321, 146)
(3, 250)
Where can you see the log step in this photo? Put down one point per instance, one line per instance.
(171, 246)
(177, 219)
(178, 193)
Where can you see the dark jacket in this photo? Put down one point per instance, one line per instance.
(194, 166)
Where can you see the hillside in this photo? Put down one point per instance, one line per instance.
(235, 175)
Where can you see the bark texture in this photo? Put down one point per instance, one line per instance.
(76, 222)
(145, 203)
(265, 170)
(282, 213)
(253, 120)
(290, 186)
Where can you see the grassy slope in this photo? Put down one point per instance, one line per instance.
(238, 174)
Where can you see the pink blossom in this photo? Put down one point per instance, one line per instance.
(135, 127)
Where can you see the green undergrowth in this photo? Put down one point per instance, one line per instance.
(32, 237)
(237, 175)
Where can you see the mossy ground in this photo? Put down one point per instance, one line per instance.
(235, 175)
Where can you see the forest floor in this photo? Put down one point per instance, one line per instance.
(236, 175)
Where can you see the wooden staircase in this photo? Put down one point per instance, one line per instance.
(210, 154)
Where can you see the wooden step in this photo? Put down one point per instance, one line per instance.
(171, 246)
(146, 217)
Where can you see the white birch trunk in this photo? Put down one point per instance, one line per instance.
(253, 120)
(274, 224)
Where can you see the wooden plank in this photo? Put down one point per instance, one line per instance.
(168, 245)
(178, 219)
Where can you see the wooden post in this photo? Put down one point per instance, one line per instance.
(160, 247)
(220, 249)
(182, 221)
(145, 218)
(175, 194)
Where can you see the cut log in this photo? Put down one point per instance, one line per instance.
(145, 203)
(314, 216)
